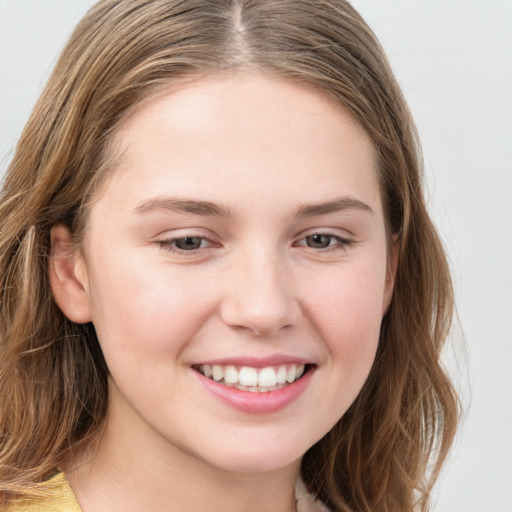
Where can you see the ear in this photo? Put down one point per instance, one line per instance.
(68, 276)
(392, 265)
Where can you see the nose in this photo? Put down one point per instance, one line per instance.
(259, 295)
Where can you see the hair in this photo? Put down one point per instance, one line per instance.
(386, 452)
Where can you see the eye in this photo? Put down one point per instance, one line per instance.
(324, 242)
(190, 243)
(186, 244)
(320, 241)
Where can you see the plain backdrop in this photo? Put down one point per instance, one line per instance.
(453, 59)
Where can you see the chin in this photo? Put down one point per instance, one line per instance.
(257, 464)
(258, 457)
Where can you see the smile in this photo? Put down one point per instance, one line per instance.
(258, 380)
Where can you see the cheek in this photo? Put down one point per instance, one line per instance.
(347, 310)
(349, 323)
(143, 311)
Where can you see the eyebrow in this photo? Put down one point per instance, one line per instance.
(335, 206)
(182, 205)
(207, 208)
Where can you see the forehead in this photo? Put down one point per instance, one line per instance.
(244, 134)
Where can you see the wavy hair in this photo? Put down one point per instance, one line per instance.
(385, 453)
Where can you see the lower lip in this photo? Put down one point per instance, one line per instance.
(257, 402)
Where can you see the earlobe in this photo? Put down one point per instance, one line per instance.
(392, 266)
(68, 276)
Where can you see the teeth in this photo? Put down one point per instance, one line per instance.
(281, 375)
(267, 378)
(247, 378)
(217, 372)
(230, 375)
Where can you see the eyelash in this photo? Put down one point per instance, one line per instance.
(170, 245)
(341, 243)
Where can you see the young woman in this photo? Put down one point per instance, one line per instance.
(220, 287)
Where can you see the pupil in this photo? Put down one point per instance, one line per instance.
(188, 243)
(319, 241)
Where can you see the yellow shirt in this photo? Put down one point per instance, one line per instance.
(61, 499)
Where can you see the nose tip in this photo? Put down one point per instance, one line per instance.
(260, 301)
(256, 320)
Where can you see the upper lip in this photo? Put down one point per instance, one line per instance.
(257, 362)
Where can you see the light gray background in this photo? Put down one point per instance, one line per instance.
(453, 59)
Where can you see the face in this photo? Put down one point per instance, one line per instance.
(235, 269)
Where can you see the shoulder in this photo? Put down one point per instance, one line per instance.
(58, 497)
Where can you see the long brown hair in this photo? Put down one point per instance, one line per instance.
(385, 453)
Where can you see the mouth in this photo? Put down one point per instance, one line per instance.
(255, 380)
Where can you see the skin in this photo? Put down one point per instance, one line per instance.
(263, 149)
